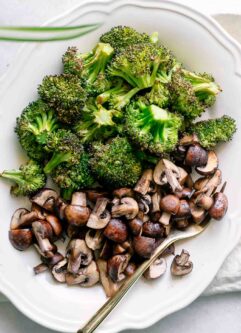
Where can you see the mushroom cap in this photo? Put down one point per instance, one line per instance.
(144, 246)
(116, 266)
(181, 265)
(136, 226)
(94, 239)
(128, 207)
(77, 215)
(116, 231)
(78, 255)
(152, 229)
(55, 223)
(16, 217)
(45, 198)
(198, 213)
(157, 269)
(184, 209)
(21, 239)
(196, 156)
(204, 201)
(211, 165)
(219, 207)
(170, 204)
(59, 271)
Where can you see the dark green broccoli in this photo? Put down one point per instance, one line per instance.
(65, 146)
(138, 64)
(97, 123)
(118, 96)
(121, 36)
(75, 177)
(65, 93)
(211, 132)
(114, 163)
(90, 66)
(152, 128)
(191, 93)
(204, 86)
(34, 125)
(28, 179)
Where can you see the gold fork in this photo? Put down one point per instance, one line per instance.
(102, 313)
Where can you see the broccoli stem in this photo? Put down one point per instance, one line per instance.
(14, 175)
(56, 159)
(66, 193)
(122, 100)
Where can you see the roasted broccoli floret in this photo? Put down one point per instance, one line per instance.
(65, 93)
(211, 132)
(158, 95)
(97, 123)
(34, 125)
(121, 36)
(118, 96)
(65, 146)
(71, 178)
(191, 93)
(28, 179)
(204, 86)
(138, 64)
(152, 128)
(72, 61)
(114, 163)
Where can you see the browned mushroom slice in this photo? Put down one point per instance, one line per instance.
(23, 218)
(94, 239)
(85, 277)
(78, 254)
(196, 156)
(153, 230)
(198, 213)
(116, 266)
(201, 183)
(136, 226)
(128, 207)
(144, 203)
(40, 268)
(59, 208)
(181, 264)
(59, 271)
(45, 198)
(100, 216)
(157, 269)
(209, 187)
(182, 224)
(211, 166)
(107, 249)
(189, 139)
(109, 286)
(182, 176)
(155, 200)
(55, 223)
(52, 260)
(143, 184)
(167, 172)
(144, 246)
(21, 239)
(123, 192)
(43, 233)
(219, 207)
(116, 231)
(184, 209)
(77, 213)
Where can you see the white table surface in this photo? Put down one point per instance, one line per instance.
(207, 314)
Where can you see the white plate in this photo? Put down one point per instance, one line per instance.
(203, 46)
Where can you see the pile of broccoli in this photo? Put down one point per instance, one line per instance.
(110, 113)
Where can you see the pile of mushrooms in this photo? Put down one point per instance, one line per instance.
(111, 233)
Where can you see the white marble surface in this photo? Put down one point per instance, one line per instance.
(217, 313)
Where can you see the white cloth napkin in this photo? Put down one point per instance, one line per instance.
(229, 276)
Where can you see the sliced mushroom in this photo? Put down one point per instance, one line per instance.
(201, 183)
(52, 260)
(107, 249)
(23, 218)
(45, 198)
(48, 249)
(155, 200)
(182, 224)
(123, 192)
(136, 226)
(59, 271)
(130, 269)
(21, 239)
(85, 277)
(118, 249)
(94, 239)
(170, 250)
(219, 207)
(116, 231)
(153, 230)
(189, 181)
(182, 176)
(144, 203)
(59, 208)
(143, 184)
(189, 139)
(40, 268)
(55, 223)
(181, 264)
(212, 183)
(116, 266)
(157, 269)
(100, 216)
(109, 286)
(128, 207)
(211, 166)
(78, 254)
(196, 156)
(198, 213)
(144, 246)
(167, 172)
(43, 233)
(204, 201)
(77, 213)
(185, 193)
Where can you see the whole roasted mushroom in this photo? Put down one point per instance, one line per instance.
(170, 205)
(128, 207)
(78, 255)
(219, 207)
(99, 216)
(144, 246)
(153, 230)
(77, 213)
(116, 231)
(196, 156)
(136, 226)
(181, 265)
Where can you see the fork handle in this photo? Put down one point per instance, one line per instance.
(110, 304)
